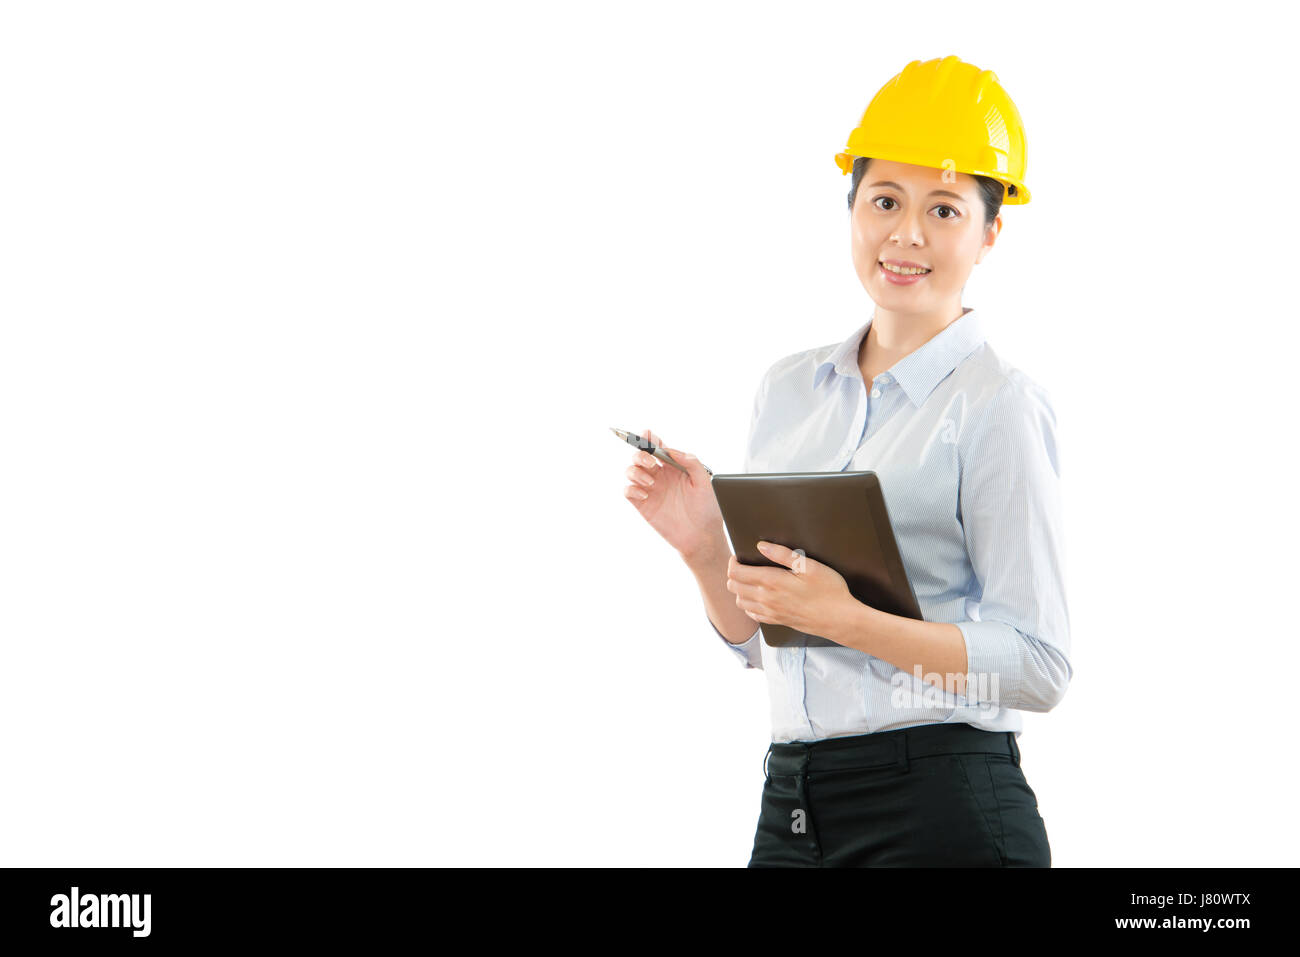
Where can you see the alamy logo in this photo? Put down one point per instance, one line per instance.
(101, 910)
(980, 689)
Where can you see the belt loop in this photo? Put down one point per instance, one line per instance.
(766, 755)
(902, 751)
(1015, 750)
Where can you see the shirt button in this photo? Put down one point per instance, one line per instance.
(875, 393)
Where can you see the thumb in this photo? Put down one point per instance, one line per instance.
(686, 460)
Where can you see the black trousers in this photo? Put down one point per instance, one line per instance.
(934, 795)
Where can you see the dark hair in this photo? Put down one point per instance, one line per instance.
(990, 189)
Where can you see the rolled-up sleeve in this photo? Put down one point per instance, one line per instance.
(1010, 503)
(750, 651)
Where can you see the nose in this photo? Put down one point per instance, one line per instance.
(910, 228)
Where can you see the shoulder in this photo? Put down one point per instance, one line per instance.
(789, 380)
(798, 365)
(1010, 407)
(791, 376)
(1002, 388)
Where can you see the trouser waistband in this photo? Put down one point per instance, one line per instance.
(885, 748)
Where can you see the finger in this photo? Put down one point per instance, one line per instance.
(751, 574)
(635, 495)
(642, 457)
(647, 461)
(640, 476)
(754, 608)
(751, 586)
(685, 459)
(691, 466)
(777, 553)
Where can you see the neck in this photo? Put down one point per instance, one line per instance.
(896, 334)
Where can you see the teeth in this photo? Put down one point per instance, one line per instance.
(905, 271)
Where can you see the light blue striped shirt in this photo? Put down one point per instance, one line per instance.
(965, 448)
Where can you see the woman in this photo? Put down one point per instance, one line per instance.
(897, 746)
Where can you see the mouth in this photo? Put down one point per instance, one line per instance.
(902, 275)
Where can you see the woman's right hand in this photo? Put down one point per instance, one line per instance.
(680, 506)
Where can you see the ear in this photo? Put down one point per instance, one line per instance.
(990, 237)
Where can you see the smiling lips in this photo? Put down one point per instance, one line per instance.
(902, 267)
(901, 273)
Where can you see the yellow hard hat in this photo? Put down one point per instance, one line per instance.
(946, 114)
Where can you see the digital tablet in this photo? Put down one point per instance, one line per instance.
(837, 518)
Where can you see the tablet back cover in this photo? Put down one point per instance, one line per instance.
(837, 518)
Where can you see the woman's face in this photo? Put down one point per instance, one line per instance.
(905, 212)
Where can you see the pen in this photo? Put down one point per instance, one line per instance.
(645, 445)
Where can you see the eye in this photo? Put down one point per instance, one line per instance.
(887, 199)
(954, 212)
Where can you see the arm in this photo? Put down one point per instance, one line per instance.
(935, 648)
(732, 625)
(740, 631)
(1010, 509)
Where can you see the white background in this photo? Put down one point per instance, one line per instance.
(315, 318)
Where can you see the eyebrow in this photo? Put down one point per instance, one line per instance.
(933, 192)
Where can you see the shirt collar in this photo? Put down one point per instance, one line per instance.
(918, 372)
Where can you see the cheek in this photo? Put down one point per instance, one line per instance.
(866, 244)
(951, 257)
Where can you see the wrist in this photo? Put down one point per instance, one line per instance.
(855, 625)
(708, 555)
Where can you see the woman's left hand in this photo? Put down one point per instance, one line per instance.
(804, 595)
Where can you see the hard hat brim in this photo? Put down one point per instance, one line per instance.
(1021, 195)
